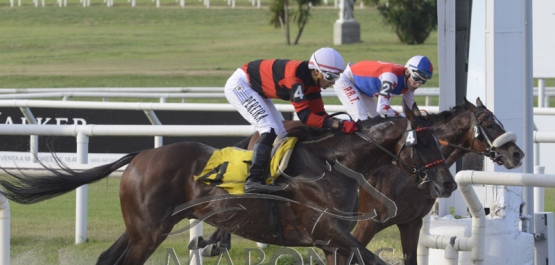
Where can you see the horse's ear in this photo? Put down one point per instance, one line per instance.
(479, 102)
(471, 106)
(416, 110)
(410, 113)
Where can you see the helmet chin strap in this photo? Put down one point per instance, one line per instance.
(316, 77)
(319, 78)
(407, 76)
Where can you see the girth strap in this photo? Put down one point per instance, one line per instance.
(274, 220)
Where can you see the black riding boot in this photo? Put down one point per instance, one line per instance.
(258, 172)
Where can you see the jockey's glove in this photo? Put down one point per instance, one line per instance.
(349, 127)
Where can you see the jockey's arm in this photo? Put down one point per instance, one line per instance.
(384, 100)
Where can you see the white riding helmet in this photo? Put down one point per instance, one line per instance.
(327, 60)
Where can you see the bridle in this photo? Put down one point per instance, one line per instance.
(479, 130)
(419, 172)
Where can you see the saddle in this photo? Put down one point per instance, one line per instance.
(228, 168)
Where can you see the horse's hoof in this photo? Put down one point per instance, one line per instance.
(196, 243)
(212, 250)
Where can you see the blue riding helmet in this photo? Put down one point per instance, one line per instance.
(421, 65)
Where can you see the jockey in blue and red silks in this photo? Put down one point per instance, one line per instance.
(362, 81)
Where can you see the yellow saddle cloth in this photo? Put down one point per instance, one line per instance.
(228, 167)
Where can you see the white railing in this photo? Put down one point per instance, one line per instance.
(4, 231)
(158, 93)
(126, 130)
(163, 93)
(25, 103)
(476, 243)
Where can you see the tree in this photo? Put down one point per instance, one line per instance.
(281, 15)
(412, 20)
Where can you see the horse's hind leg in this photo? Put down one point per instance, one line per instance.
(219, 239)
(147, 227)
(144, 240)
(115, 251)
(147, 221)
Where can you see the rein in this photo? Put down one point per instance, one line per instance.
(445, 143)
(419, 172)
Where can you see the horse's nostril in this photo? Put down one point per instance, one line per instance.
(450, 186)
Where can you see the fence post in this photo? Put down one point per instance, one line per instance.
(4, 231)
(82, 192)
(539, 196)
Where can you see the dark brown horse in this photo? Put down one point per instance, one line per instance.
(463, 129)
(317, 207)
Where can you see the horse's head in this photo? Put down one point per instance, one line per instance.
(421, 150)
(417, 152)
(489, 136)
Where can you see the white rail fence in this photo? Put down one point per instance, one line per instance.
(544, 94)
(4, 231)
(476, 243)
(109, 3)
(161, 93)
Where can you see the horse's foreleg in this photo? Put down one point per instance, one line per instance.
(365, 231)
(331, 257)
(410, 233)
(347, 247)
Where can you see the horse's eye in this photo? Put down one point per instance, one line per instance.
(489, 126)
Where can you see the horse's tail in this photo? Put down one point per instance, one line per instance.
(26, 189)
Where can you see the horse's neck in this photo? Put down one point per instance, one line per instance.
(450, 133)
(386, 135)
(354, 152)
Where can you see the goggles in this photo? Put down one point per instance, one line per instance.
(328, 76)
(417, 77)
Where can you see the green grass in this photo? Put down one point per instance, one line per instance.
(144, 46)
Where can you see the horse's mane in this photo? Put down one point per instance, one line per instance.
(306, 133)
(447, 115)
(376, 120)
